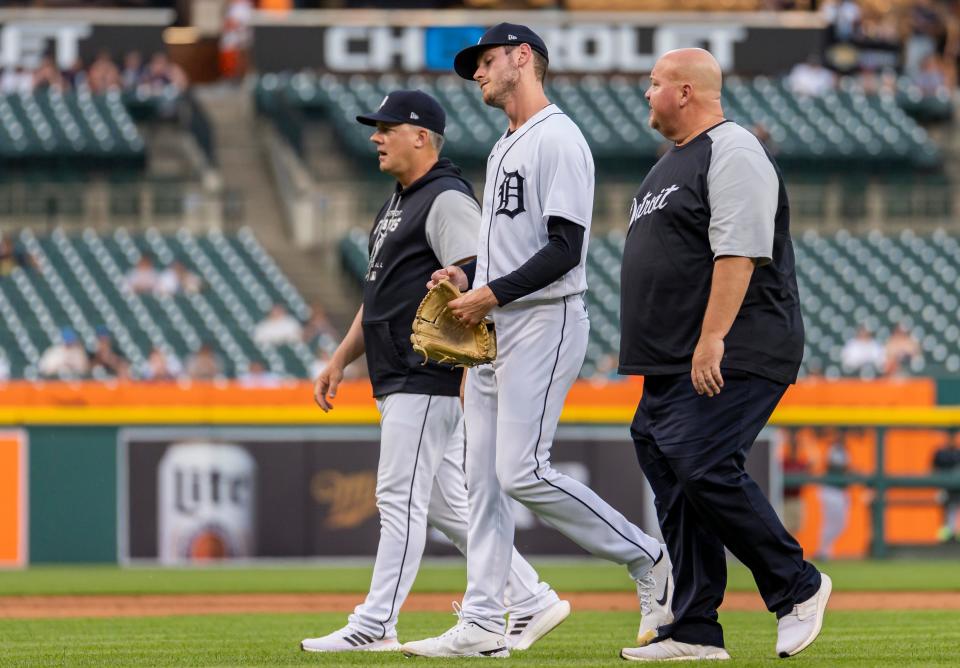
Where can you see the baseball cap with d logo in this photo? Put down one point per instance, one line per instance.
(408, 106)
(502, 34)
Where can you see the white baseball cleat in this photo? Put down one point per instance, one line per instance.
(797, 630)
(464, 639)
(671, 650)
(523, 631)
(349, 639)
(655, 591)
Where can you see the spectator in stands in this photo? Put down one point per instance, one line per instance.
(162, 75)
(104, 360)
(844, 19)
(946, 461)
(104, 74)
(132, 73)
(75, 76)
(176, 279)
(925, 27)
(163, 365)
(66, 359)
(16, 80)
(863, 354)
(48, 76)
(811, 78)
(278, 328)
(901, 352)
(142, 278)
(318, 330)
(932, 78)
(205, 364)
(12, 256)
(258, 376)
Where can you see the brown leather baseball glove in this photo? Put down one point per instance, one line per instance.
(439, 336)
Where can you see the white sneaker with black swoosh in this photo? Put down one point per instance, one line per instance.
(349, 639)
(655, 591)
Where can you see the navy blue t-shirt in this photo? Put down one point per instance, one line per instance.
(721, 194)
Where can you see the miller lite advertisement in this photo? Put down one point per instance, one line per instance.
(195, 496)
(206, 506)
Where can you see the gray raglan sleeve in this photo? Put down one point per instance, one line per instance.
(744, 192)
(453, 226)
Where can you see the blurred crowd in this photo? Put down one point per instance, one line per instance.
(865, 356)
(157, 75)
(877, 40)
(69, 357)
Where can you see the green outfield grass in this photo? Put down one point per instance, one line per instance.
(586, 639)
(585, 575)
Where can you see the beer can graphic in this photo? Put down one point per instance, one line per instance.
(206, 505)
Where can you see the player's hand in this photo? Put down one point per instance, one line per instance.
(326, 384)
(705, 370)
(454, 273)
(473, 306)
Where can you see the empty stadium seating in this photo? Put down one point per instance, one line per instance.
(845, 281)
(78, 281)
(846, 127)
(50, 127)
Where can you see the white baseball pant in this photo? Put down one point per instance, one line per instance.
(512, 408)
(420, 481)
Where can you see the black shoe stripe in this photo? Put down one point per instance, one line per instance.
(364, 636)
(516, 632)
(359, 639)
(353, 643)
(525, 619)
(491, 652)
(520, 626)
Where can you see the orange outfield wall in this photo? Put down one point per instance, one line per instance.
(623, 394)
(13, 499)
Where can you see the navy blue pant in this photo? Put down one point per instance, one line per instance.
(692, 449)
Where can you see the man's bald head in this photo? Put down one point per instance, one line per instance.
(684, 93)
(696, 67)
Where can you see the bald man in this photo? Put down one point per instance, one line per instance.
(710, 315)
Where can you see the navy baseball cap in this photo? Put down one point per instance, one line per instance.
(502, 34)
(408, 106)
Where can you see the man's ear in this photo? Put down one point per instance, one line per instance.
(525, 54)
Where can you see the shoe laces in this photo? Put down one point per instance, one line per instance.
(456, 628)
(646, 585)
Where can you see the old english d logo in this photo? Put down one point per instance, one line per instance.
(510, 193)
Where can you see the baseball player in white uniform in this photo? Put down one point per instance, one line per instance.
(430, 220)
(530, 278)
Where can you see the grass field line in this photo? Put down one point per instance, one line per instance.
(161, 605)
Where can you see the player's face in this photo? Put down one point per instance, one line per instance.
(498, 74)
(395, 144)
(663, 96)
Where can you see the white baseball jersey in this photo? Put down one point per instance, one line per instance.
(542, 169)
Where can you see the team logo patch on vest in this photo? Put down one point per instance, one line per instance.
(510, 194)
